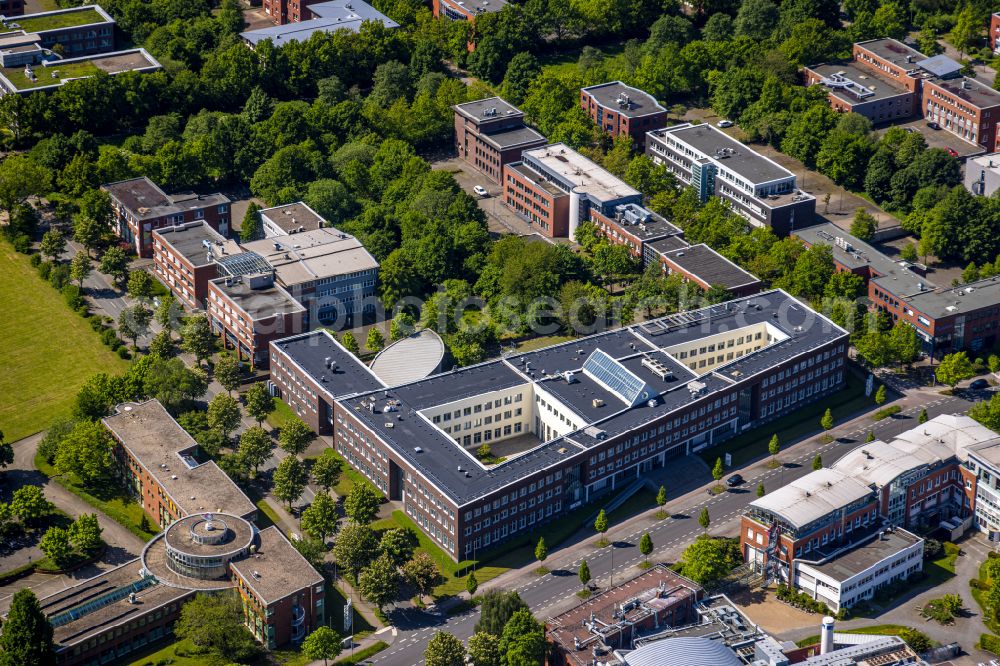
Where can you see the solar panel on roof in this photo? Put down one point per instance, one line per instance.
(617, 378)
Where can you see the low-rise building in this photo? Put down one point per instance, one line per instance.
(140, 206)
(712, 162)
(554, 188)
(857, 89)
(298, 20)
(71, 32)
(185, 259)
(982, 174)
(36, 70)
(994, 34)
(707, 268)
(621, 110)
(293, 218)
(249, 311)
(965, 107)
(465, 10)
(490, 133)
(329, 272)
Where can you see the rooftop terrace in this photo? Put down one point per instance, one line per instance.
(58, 72)
(54, 20)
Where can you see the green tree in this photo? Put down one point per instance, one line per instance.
(29, 504)
(88, 232)
(484, 649)
(880, 396)
(319, 520)
(966, 30)
(85, 452)
(255, 447)
(228, 371)
(323, 643)
(215, 622)
(133, 322)
(601, 523)
(523, 640)
(258, 401)
(646, 546)
(496, 609)
(864, 225)
(541, 552)
(443, 649)
(354, 547)
(362, 504)
(168, 312)
(140, 285)
(704, 519)
(584, 573)
(197, 338)
(398, 543)
(661, 497)
(85, 533)
(818, 462)
(250, 229)
(954, 368)
(375, 341)
(290, 480)
(379, 582)
(26, 639)
(53, 244)
(6, 452)
(870, 437)
(114, 263)
(826, 422)
(774, 446)
(422, 573)
(80, 268)
(471, 584)
(993, 363)
(20, 178)
(55, 544)
(350, 343)
(295, 436)
(173, 383)
(909, 252)
(224, 414)
(705, 561)
(718, 471)
(760, 489)
(401, 326)
(922, 417)
(326, 470)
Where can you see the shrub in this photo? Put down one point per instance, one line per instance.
(44, 270)
(886, 412)
(95, 323)
(59, 276)
(844, 613)
(83, 310)
(35, 260)
(124, 353)
(22, 243)
(932, 548)
(977, 584)
(951, 549)
(72, 295)
(990, 643)
(109, 336)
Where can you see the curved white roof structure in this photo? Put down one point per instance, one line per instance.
(683, 651)
(410, 359)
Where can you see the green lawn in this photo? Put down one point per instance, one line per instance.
(43, 75)
(62, 20)
(48, 350)
(878, 630)
(281, 415)
(174, 652)
(980, 597)
(801, 423)
(542, 341)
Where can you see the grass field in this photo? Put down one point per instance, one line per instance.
(48, 350)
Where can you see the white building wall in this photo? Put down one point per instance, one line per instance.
(480, 417)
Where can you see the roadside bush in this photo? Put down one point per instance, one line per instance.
(72, 295)
(22, 243)
(887, 412)
(95, 323)
(59, 276)
(990, 643)
(844, 613)
(35, 260)
(977, 584)
(932, 548)
(123, 352)
(44, 270)
(109, 337)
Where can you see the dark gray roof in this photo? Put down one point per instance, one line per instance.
(969, 90)
(517, 136)
(310, 351)
(405, 429)
(667, 244)
(145, 200)
(640, 103)
(856, 84)
(189, 241)
(940, 65)
(709, 266)
(894, 51)
(709, 141)
(644, 224)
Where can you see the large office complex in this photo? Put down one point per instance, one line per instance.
(712, 162)
(490, 133)
(140, 206)
(888, 80)
(946, 318)
(840, 533)
(621, 110)
(208, 544)
(185, 258)
(579, 419)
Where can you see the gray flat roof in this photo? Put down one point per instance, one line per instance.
(260, 303)
(410, 359)
(538, 179)
(281, 569)
(313, 255)
(969, 90)
(310, 351)
(945, 301)
(330, 16)
(893, 51)
(668, 244)
(707, 264)
(709, 141)
(584, 174)
(854, 561)
(640, 103)
(439, 456)
(882, 86)
(652, 225)
(156, 440)
(854, 253)
(294, 216)
(188, 240)
(517, 136)
(477, 109)
(940, 65)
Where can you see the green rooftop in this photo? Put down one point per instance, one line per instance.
(44, 74)
(55, 20)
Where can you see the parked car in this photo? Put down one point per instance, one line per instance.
(725, 123)
(481, 191)
(979, 385)
(933, 125)
(952, 152)
(735, 480)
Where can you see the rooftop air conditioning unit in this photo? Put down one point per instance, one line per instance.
(597, 402)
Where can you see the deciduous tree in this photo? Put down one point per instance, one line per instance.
(228, 371)
(215, 622)
(140, 285)
(258, 401)
(320, 518)
(26, 639)
(704, 561)
(86, 453)
(954, 368)
(646, 546)
(422, 573)
(55, 544)
(497, 608)
(326, 469)
(133, 322)
(354, 547)
(197, 338)
(80, 268)
(224, 414)
(85, 533)
(362, 503)
(484, 650)
(115, 263)
(398, 543)
(290, 480)
(323, 643)
(53, 244)
(443, 649)
(294, 436)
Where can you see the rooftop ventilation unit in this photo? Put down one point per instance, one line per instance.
(417, 449)
(597, 402)
(595, 432)
(657, 368)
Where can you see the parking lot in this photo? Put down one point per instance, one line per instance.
(940, 138)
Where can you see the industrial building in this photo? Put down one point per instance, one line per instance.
(577, 420)
(712, 162)
(621, 110)
(490, 133)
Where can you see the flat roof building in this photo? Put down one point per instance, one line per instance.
(621, 110)
(707, 268)
(490, 133)
(34, 73)
(857, 89)
(465, 10)
(140, 206)
(323, 17)
(662, 388)
(757, 188)
(293, 218)
(71, 32)
(184, 259)
(982, 174)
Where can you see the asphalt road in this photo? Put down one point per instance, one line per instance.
(555, 592)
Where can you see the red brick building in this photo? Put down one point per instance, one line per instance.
(465, 10)
(536, 199)
(620, 110)
(994, 34)
(184, 259)
(965, 107)
(140, 206)
(490, 133)
(249, 311)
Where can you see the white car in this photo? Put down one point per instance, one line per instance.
(480, 190)
(724, 123)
